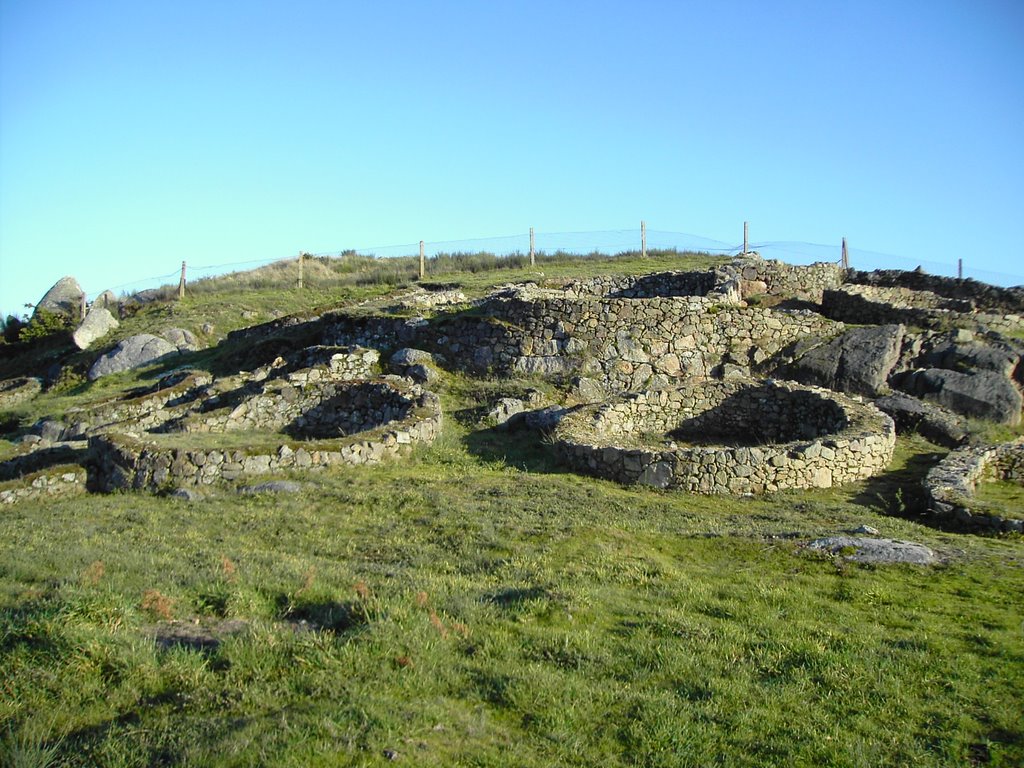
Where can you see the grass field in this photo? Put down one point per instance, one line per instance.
(477, 605)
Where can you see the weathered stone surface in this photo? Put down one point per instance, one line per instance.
(858, 362)
(950, 484)
(97, 324)
(981, 394)
(505, 409)
(407, 356)
(926, 419)
(870, 550)
(587, 390)
(273, 486)
(422, 373)
(106, 300)
(134, 352)
(184, 340)
(975, 355)
(65, 298)
(545, 419)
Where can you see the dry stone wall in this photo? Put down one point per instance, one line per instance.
(13, 392)
(781, 279)
(979, 295)
(627, 343)
(950, 485)
(122, 461)
(808, 437)
(878, 305)
(56, 481)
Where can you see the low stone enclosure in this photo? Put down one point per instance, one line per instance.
(363, 422)
(734, 436)
(951, 484)
(316, 407)
(879, 305)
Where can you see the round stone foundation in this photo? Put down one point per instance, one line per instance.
(734, 436)
(330, 423)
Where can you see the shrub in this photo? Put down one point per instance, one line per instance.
(42, 325)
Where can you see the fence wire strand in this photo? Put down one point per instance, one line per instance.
(607, 242)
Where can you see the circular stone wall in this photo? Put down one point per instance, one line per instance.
(331, 423)
(735, 436)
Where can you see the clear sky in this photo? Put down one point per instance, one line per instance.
(135, 135)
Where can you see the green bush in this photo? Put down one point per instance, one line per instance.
(42, 325)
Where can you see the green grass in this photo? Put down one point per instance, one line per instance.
(528, 617)
(1000, 497)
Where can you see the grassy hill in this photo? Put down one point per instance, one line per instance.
(479, 605)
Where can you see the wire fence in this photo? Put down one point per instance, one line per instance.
(602, 243)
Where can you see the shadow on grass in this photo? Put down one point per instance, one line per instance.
(900, 490)
(520, 448)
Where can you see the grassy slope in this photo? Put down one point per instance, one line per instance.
(482, 607)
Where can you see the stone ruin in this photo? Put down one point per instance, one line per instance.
(735, 436)
(951, 484)
(684, 379)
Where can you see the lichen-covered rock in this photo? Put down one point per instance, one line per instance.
(926, 419)
(134, 352)
(871, 550)
(184, 340)
(65, 299)
(859, 361)
(981, 394)
(97, 324)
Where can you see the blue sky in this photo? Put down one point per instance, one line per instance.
(135, 135)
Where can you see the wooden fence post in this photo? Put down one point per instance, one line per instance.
(423, 263)
(960, 269)
(643, 239)
(746, 240)
(846, 256)
(533, 259)
(181, 283)
(302, 258)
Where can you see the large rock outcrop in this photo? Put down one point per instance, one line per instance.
(981, 394)
(859, 361)
(97, 324)
(65, 299)
(133, 352)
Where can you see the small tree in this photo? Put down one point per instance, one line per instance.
(43, 324)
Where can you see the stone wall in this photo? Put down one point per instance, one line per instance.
(655, 285)
(315, 408)
(814, 438)
(880, 305)
(56, 481)
(629, 344)
(982, 296)
(149, 410)
(950, 485)
(120, 461)
(781, 279)
(13, 392)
